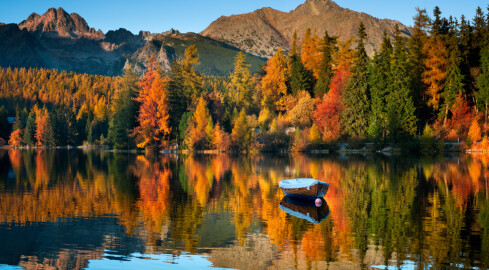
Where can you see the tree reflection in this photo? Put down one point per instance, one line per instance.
(433, 211)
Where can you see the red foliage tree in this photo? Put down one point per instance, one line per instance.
(462, 115)
(327, 115)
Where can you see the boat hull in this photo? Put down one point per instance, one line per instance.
(305, 209)
(316, 190)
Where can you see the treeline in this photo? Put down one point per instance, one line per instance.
(432, 86)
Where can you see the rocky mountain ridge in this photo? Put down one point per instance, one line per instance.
(265, 30)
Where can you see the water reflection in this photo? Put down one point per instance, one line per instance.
(305, 209)
(68, 209)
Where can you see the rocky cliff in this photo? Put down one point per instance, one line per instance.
(265, 30)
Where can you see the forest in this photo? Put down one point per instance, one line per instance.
(416, 93)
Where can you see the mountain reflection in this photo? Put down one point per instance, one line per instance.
(63, 208)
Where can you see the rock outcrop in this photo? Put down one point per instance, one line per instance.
(265, 30)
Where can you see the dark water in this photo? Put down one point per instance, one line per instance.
(100, 210)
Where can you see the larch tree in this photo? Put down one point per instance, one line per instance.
(435, 70)
(153, 129)
(311, 52)
(242, 83)
(201, 127)
(241, 135)
(274, 83)
(356, 100)
(191, 79)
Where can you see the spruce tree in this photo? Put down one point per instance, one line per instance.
(124, 108)
(379, 82)
(356, 99)
(4, 124)
(454, 81)
(300, 78)
(401, 118)
(30, 129)
(19, 122)
(328, 48)
(483, 82)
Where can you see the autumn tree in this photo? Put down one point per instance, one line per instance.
(44, 131)
(328, 112)
(311, 52)
(153, 129)
(241, 136)
(242, 83)
(200, 130)
(220, 139)
(274, 83)
(461, 115)
(191, 79)
(15, 138)
(474, 134)
(301, 114)
(435, 66)
(356, 100)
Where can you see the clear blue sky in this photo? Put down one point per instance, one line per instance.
(195, 15)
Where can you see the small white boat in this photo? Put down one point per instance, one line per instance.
(306, 188)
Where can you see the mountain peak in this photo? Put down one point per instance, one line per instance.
(58, 22)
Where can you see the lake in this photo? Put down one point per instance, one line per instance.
(76, 209)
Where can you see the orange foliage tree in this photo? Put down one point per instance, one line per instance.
(153, 129)
(327, 115)
(435, 69)
(15, 138)
(201, 128)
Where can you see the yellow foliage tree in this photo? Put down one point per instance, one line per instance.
(474, 131)
(274, 83)
(301, 114)
(201, 129)
(311, 54)
(314, 134)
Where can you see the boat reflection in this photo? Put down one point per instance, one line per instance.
(305, 209)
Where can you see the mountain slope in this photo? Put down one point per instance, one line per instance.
(265, 30)
(216, 58)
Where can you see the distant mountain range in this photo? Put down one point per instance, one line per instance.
(64, 41)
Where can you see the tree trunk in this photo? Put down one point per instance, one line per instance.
(446, 116)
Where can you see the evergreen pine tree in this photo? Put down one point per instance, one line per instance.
(454, 81)
(483, 82)
(4, 124)
(356, 99)
(328, 48)
(19, 122)
(300, 78)
(379, 82)
(30, 129)
(401, 118)
(124, 110)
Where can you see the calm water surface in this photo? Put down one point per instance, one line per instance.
(100, 210)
